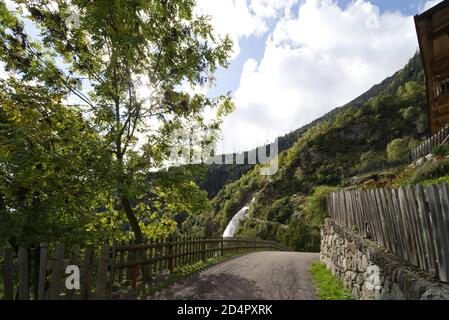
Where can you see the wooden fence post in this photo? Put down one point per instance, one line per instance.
(86, 273)
(170, 254)
(35, 280)
(203, 250)
(195, 249)
(102, 273)
(23, 274)
(427, 230)
(42, 271)
(192, 251)
(121, 262)
(56, 279)
(439, 232)
(113, 257)
(8, 274)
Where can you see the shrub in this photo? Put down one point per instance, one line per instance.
(442, 150)
(314, 209)
(301, 237)
(280, 211)
(431, 170)
(397, 150)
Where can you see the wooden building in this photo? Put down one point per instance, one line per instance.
(432, 28)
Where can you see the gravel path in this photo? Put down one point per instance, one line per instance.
(258, 276)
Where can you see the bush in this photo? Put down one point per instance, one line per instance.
(397, 150)
(442, 150)
(314, 209)
(301, 237)
(280, 211)
(431, 170)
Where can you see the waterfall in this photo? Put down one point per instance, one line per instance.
(235, 221)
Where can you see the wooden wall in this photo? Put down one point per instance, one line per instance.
(433, 28)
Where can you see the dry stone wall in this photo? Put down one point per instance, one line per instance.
(372, 273)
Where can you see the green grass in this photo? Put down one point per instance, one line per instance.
(328, 287)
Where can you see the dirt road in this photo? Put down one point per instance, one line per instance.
(260, 275)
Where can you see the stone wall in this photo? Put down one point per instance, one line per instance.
(371, 272)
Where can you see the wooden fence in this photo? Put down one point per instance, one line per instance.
(40, 273)
(429, 145)
(412, 222)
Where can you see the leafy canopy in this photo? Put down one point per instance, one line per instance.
(124, 66)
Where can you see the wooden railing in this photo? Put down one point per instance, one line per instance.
(411, 222)
(429, 145)
(40, 273)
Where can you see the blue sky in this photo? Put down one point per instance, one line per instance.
(253, 47)
(279, 68)
(295, 60)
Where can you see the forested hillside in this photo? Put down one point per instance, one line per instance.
(219, 175)
(364, 142)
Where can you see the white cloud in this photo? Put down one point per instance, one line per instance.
(320, 58)
(242, 18)
(268, 9)
(3, 73)
(232, 17)
(429, 4)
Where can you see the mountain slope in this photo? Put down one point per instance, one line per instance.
(345, 147)
(217, 176)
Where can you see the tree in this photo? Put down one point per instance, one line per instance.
(300, 237)
(134, 58)
(397, 150)
(51, 168)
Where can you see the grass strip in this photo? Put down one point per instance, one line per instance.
(328, 287)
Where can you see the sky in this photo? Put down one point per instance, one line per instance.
(295, 60)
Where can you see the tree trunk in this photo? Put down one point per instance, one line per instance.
(132, 219)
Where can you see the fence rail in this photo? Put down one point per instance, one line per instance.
(430, 144)
(411, 222)
(40, 273)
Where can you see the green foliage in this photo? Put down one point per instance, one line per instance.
(407, 85)
(367, 158)
(442, 150)
(52, 169)
(280, 211)
(314, 209)
(431, 170)
(79, 145)
(397, 150)
(328, 287)
(422, 124)
(303, 231)
(402, 178)
(83, 172)
(444, 179)
(345, 147)
(301, 237)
